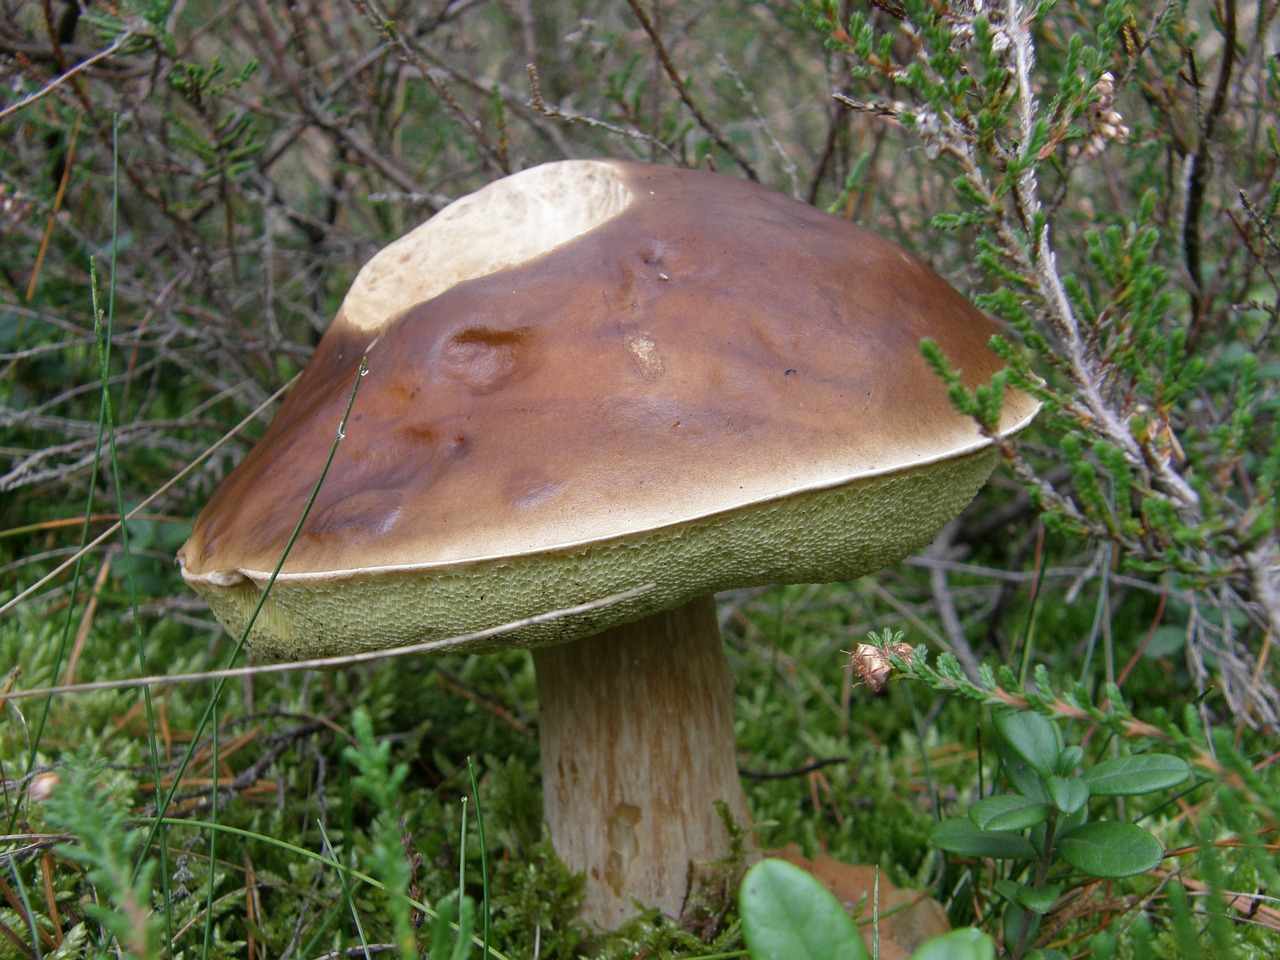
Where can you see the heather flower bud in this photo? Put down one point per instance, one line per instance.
(42, 786)
(872, 664)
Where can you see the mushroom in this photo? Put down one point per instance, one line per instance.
(584, 377)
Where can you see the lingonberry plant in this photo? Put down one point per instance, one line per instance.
(1042, 821)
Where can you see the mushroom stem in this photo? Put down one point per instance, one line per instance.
(637, 745)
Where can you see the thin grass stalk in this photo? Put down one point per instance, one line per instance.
(156, 833)
(484, 855)
(346, 890)
(103, 325)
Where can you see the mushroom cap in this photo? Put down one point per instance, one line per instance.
(592, 375)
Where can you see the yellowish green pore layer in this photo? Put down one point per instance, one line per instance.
(814, 537)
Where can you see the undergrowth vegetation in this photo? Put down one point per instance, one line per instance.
(188, 188)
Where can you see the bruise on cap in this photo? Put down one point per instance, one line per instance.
(687, 355)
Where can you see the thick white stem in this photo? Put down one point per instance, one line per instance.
(637, 745)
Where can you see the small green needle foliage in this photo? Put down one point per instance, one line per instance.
(1143, 316)
(452, 929)
(106, 845)
(380, 781)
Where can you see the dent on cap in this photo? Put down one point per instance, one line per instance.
(615, 349)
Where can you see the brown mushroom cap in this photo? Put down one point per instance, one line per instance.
(591, 375)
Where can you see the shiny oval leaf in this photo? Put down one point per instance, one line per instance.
(1108, 849)
(961, 835)
(1069, 759)
(1025, 780)
(788, 915)
(1131, 776)
(1040, 899)
(1031, 737)
(964, 944)
(1008, 811)
(1068, 794)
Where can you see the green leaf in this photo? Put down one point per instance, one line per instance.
(1070, 821)
(963, 944)
(466, 924)
(1108, 849)
(1069, 759)
(1010, 890)
(1040, 899)
(960, 835)
(1026, 781)
(1016, 920)
(1008, 811)
(1131, 776)
(788, 915)
(1031, 737)
(441, 929)
(1069, 794)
